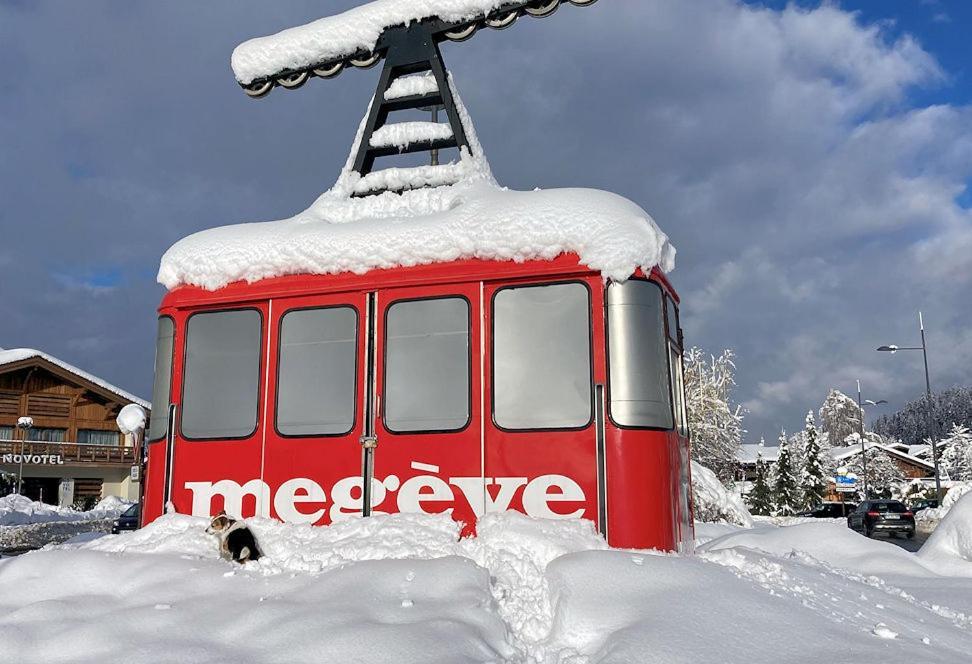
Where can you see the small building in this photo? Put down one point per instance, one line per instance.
(73, 454)
(912, 467)
(746, 457)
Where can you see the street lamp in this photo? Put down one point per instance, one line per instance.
(931, 426)
(24, 424)
(860, 406)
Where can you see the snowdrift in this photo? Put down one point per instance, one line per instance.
(952, 539)
(714, 503)
(406, 588)
(17, 510)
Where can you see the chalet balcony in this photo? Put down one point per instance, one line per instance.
(53, 454)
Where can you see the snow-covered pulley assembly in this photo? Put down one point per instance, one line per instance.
(421, 339)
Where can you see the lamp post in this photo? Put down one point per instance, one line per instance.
(25, 424)
(928, 397)
(860, 406)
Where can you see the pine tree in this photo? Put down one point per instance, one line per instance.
(761, 496)
(813, 481)
(785, 492)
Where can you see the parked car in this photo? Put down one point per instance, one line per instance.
(830, 510)
(882, 516)
(920, 505)
(127, 520)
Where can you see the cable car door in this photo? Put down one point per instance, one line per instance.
(316, 407)
(428, 394)
(219, 424)
(545, 369)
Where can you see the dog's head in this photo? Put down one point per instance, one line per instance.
(220, 524)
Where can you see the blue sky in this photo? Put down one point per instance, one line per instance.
(811, 163)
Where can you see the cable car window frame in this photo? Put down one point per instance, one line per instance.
(590, 353)
(676, 346)
(357, 358)
(260, 372)
(664, 340)
(383, 407)
(168, 398)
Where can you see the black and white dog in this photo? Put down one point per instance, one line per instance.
(236, 541)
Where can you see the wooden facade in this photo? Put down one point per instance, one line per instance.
(56, 399)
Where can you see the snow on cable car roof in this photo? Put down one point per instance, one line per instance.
(357, 29)
(473, 218)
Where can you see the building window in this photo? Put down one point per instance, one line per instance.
(426, 382)
(163, 379)
(640, 389)
(316, 371)
(44, 435)
(542, 357)
(222, 375)
(6, 433)
(98, 437)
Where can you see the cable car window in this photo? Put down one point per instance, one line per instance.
(316, 371)
(163, 379)
(427, 361)
(222, 374)
(542, 357)
(640, 391)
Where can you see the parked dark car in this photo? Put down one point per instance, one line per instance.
(920, 505)
(830, 510)
(127, 520)
(882, 516)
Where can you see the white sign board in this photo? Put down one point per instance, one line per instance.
(845, 483)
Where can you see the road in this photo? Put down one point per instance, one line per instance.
(907, 544)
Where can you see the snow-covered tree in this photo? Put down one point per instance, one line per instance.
(813, 479)
(840, 417)
(715, 422)
(786, 494)
(883, 474)
(956, 453)
(761, 496)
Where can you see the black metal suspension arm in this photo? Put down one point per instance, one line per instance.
(440, 31)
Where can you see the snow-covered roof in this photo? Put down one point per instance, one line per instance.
(20, 354)
(839, 453)
(460, 213)
(746, 454)
(356, 30)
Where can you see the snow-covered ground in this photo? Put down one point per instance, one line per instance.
(25, 523)
(405, 588)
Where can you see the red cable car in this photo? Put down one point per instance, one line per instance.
(421, 340)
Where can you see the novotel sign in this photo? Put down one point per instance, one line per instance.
(539, 496)
(34, 459)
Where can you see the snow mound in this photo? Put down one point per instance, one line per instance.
(828, 542)
(131, 418)
(357, 29)
(952, 496)
(713, 503)
(952, 539)
(524, 591)
(17, 510)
